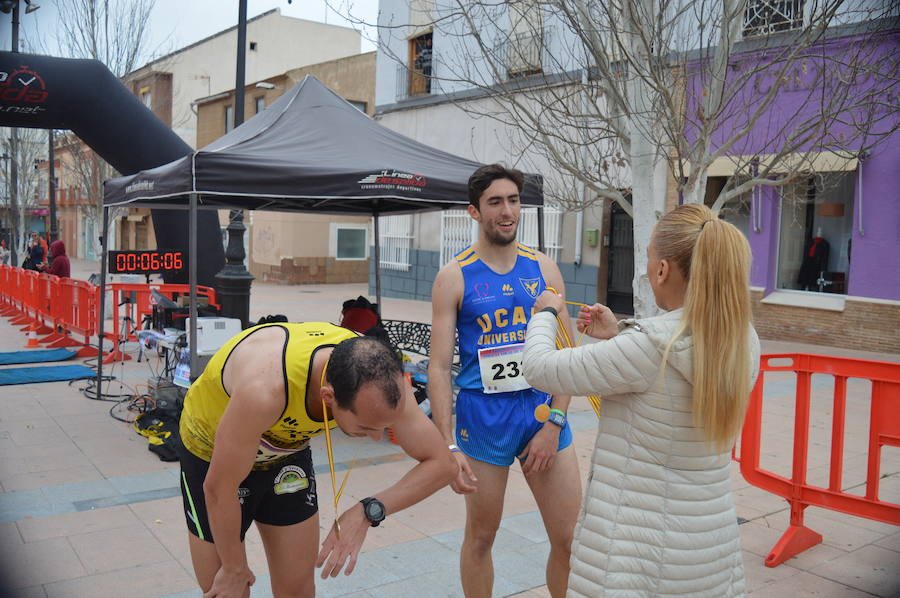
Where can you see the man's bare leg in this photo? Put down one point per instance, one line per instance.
(558, 495)
(484, 509)
(291, 552)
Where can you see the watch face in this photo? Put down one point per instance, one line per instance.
(375, 511)
(559, 420)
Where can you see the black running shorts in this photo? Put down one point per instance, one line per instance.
(284, 494)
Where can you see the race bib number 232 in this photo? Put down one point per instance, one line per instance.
(501, 368)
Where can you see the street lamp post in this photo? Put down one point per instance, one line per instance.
(11, 215)
(13, 157)
(234, 279)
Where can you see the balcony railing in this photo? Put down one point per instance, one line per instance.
(413, 82)
(524, 54)
(764, 17)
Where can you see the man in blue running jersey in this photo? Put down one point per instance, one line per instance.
(486, 294)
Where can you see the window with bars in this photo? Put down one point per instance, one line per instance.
(524, 47)
(764, 17)
(528, 230)
(395, 236)
(458, 231)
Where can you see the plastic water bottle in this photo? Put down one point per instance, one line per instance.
(426, 407)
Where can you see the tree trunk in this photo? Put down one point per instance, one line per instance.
(648, 190)
(696, 193)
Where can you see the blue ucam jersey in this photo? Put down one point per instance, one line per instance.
(492, 320)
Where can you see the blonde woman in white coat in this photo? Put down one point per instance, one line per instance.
(658, 517)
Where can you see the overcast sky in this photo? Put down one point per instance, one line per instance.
(178, 23)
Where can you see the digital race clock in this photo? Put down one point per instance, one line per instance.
(146, 262)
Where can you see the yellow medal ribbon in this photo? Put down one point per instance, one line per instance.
(564, 342)
(334, 488)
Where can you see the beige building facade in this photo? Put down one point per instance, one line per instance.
(169, 86)
(300, 248)
(275, 44)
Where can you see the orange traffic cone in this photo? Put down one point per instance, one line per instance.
(32, 337)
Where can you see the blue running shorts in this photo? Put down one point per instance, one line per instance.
(495, 428)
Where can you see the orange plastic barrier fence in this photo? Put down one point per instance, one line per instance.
(52, 306)
(128, 316)
(62, 308)
(884, 429)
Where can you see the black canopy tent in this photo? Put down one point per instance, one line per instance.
(310, 151)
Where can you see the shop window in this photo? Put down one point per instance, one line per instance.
(349, 242)
(737, 209)
(814, 249)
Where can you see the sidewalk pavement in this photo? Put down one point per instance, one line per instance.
(87, 510)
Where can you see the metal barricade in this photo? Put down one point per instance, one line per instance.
(884, 429)
(136, 301)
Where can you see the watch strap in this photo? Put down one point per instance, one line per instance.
(558, 417)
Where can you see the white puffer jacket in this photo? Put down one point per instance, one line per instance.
(658, 517)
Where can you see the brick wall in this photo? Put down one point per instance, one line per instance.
(862, 325)
(312, 270)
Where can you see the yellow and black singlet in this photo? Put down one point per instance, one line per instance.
(206, 400)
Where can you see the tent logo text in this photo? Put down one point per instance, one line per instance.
(140, 186)
(391, 179)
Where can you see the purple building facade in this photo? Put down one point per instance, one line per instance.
(826, 248)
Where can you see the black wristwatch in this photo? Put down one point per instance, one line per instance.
(552, 310)
(373, 510)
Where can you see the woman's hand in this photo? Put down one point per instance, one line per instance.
(597, 321)
(550, 299)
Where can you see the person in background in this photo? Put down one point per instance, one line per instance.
(4, 253)
(658, 517)
(59, 262)
(36, 253)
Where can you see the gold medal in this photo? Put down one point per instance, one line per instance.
(542, 412)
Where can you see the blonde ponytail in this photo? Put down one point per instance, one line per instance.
(714, 257)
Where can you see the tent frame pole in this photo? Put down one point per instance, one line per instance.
(104, 251)
(192, 280)
(377, 257)
(540, 214)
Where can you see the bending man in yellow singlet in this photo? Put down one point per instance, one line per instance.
(246, 426)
